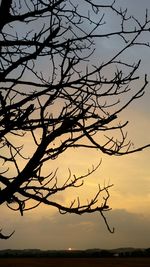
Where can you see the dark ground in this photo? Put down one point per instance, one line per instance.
(75, 262)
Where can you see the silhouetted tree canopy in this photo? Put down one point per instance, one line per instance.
(61, 89)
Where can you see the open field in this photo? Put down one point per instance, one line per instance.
(75, 262)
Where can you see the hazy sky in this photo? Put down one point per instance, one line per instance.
(45, 228)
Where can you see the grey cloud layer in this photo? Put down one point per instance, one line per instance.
(79, 232)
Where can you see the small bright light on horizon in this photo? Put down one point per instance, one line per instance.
(69, 249)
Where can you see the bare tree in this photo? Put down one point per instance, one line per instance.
(56, 88)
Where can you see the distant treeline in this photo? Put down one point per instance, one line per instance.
(90, 253)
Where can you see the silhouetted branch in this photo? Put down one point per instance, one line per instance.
(2, 236)
(57, 93)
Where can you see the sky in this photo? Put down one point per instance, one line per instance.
(45, 228)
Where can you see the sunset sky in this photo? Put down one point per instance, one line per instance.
(45, 228)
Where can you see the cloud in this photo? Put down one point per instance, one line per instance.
(80, 232)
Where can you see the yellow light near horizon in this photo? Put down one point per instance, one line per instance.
(69, 249)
